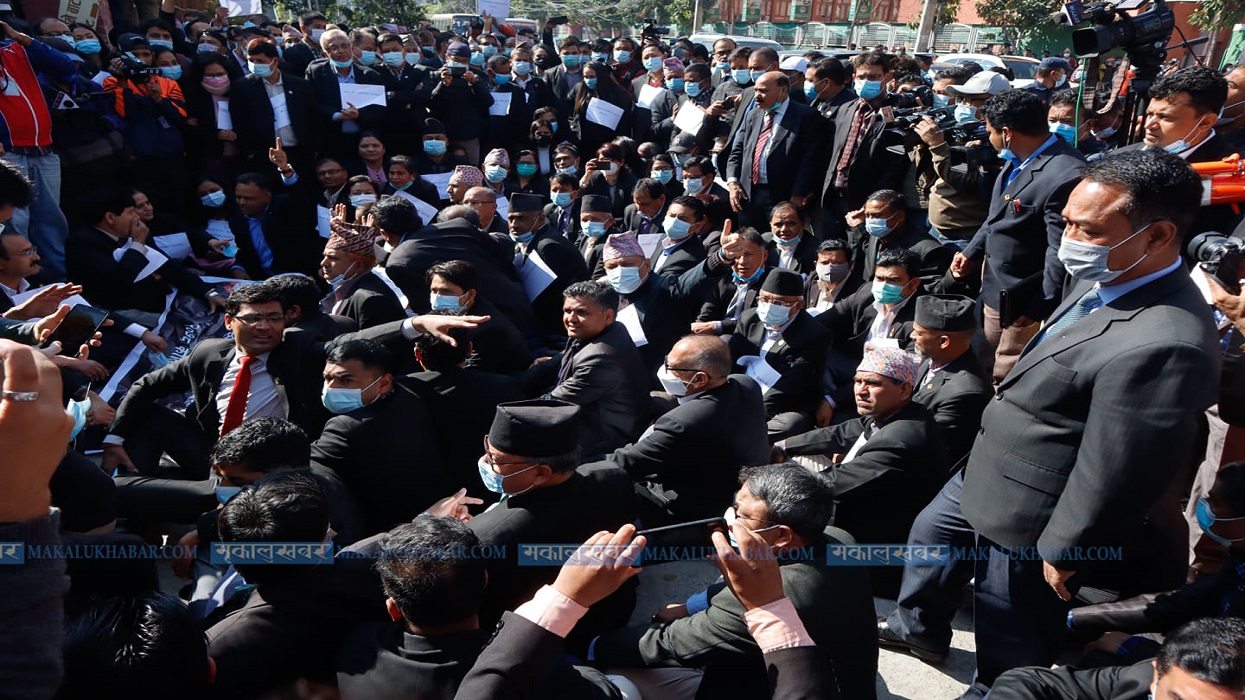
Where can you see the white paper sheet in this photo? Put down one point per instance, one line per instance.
(224, 120)
(501, 104)
(174, 245)
(630, 318)
(154, 260)
(499, 9)
(604, 113)
(536, 275)
(690, 118)
(323, 217)
(22, 298)
(361, 95)
(648, 94)
(503, 208)
(280, 111)
(649, 243)
(439, 181)
(760, 371)
(427, 212)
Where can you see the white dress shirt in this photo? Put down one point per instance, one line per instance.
(261, 400)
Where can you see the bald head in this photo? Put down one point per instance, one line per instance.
(771, 89)
(484, 201)
(703, 353)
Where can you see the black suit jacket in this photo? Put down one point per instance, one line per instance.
(619, 196)
(392, 484)
(109, 284)
(567, 263)
(665, 303)
(383, 662)
(799, 356)
(851, 319)
(697, 448)
(935, 258)
(1077, 482)
(462, 404)
(409, 92)
(689, 253)
(497, 345)
(200, 373)
(289, 228)
(371, 303)
(718, 300)
(253, 120)
(891, 478)
(299, 56)
(642, 117)
(805, 258)
(956, 394)
(873, 166)
(789, 168)
(632, 218)
(328, 99)
(572, 228)
(1111, 683)
(1020, 238)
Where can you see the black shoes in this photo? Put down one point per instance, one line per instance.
(891, 640)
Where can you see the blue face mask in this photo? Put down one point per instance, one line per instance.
(590, 83)
(434, 147)
(941, 101)
(1182, 145)
(393, 59)
(652, 64)
(367, 58)
(676, 229)
(1065, 131)
(723, 67)
(496, 482)
(887, 293)
(594, 229)
(810, 91)
(263, 70)
(215, 200)
(965, 113)
(443, 301)
(501, 79)
(171, 72)
(600, 57)
(741, 76)
(675, 84)
(336, 281)
(477, 58)
(160, 42)
(571, 60)
(756, 75)
(522, 237)
(878, 228)
(772, 315)
(694, 186)
(663, 176)
(358, 200)
(412, 59)
(230, 251)
(868, 89)
(1206, 520)
(553, 126)
(489, 50)
(495, 173)
(755, 276)
(622, 56)
(522, 67)
(339, 401)
(569, 170)
(624, 280)
(224, 493)
(526, 169)
(787, 242)
(692, 89)
(204, 48)
(78, 410)
(89, 47)
(340, 64)
(562, 199)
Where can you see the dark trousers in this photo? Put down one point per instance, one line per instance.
(831, 224)
(166, 431)
(85, 494)
(930, 595)
(757, 208)
(152, 499)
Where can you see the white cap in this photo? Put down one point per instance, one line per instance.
(987, 82)
(796, 63)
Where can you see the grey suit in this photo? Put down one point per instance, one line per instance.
(1109, 406)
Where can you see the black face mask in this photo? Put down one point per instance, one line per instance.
(544, 63)
(543, 139)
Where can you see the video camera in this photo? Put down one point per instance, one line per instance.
(651, 30)
(1113, 28)
(137, 71)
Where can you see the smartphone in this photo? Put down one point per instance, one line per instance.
(76, 329)
(601, 165)
(560, 19)
(732, 101)
(680, 542)
(1227, 271)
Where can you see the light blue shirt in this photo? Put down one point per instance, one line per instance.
(348, 127)
(1016, 170)
(769, 145)
(1112, 292)
(262, 250)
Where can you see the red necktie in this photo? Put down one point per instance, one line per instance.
(759, 152)
(236, 410)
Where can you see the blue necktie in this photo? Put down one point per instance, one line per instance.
(1076, 312)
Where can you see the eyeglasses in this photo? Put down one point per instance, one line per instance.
(256, 319)
(776, 301)
(30, 252)
(478, 202)
(331, 171)
(679, 369)
(488, 459)
(772, 524)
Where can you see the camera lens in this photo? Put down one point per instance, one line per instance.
(1212, 246)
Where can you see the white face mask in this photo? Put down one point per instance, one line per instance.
(670, 383)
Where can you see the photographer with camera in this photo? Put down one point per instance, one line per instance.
(155, 111)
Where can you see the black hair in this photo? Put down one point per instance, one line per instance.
(139, 647)
(1206, 88)
(437, 355)
(697, 207)
(956, 74)
(1160, 186)
(700, 70)
(891, 256)
(371, 354)
(264, 444)
(286, 506)
(396, 215)
(262, 47)
(248, 294)
(306, 18)
(649, 187)
(794, 496)
(459, 273)
(872, 58)
(1068, 97)
(743, 52)
(1211, 650)
(1021, 111)
(203, 60)
(258, 179)
(766, 54)
(703, 162)
(892, 199)
(830, 69)
(565, 179)
(432, 570)
(15, 188)
(832, 244)
(295, 289)
(753, 236)
(459, 211)
(602, 295)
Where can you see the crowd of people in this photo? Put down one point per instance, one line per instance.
(484, 298)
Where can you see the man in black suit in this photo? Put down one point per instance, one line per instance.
(758, 62)
(563, 211)
(341, 126)
(358, 293)
(647, 211)
(275, 231)
(533, 237)
(832, 279)
(461, 402)
(860, 160)
(1180, 119)
(855, 321)
(312, 25)
(727, 300)
(461, 101)
(532, 450)
(781, 347)
(597, 225)
(371, 411)
(693, 451)
(274, 105)
(682, 249)
(300, 297)
(496, 344)
(652, 58)
(408, 92)
(535, 89)
(216, 373)
(1133, 325)
(792, 246)
(563, 77)
(828, 76)
(788, 508)
(118, 265)
(885, 225)
(770, 160)
(886, 464)
(1020, 238)
(600, 370)
(456, 237)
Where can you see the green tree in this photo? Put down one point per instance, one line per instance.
(1020, 15)
(374, 12)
